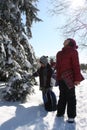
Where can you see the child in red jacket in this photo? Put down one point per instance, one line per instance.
(68, 75)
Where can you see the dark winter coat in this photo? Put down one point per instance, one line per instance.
(66, 60)
(44, 74)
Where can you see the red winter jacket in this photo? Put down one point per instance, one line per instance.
(67, 59)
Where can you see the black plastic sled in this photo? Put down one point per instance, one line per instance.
(50, 101)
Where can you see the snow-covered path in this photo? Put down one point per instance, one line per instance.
(32, 116)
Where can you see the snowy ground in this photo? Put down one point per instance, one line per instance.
(32, 116)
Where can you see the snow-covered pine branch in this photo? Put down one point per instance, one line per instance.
(17, 55)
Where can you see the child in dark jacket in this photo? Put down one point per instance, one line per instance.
(44, 73)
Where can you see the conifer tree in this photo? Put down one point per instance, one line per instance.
(17, 56)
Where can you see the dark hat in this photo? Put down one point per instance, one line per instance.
(44, 60)
(72, 43)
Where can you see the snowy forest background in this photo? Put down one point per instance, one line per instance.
(17, 57)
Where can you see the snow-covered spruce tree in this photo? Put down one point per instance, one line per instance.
(17, 57)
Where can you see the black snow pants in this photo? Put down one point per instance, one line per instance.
(67, 100)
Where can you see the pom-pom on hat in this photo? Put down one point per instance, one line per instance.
(72, 43)
(44, 60)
